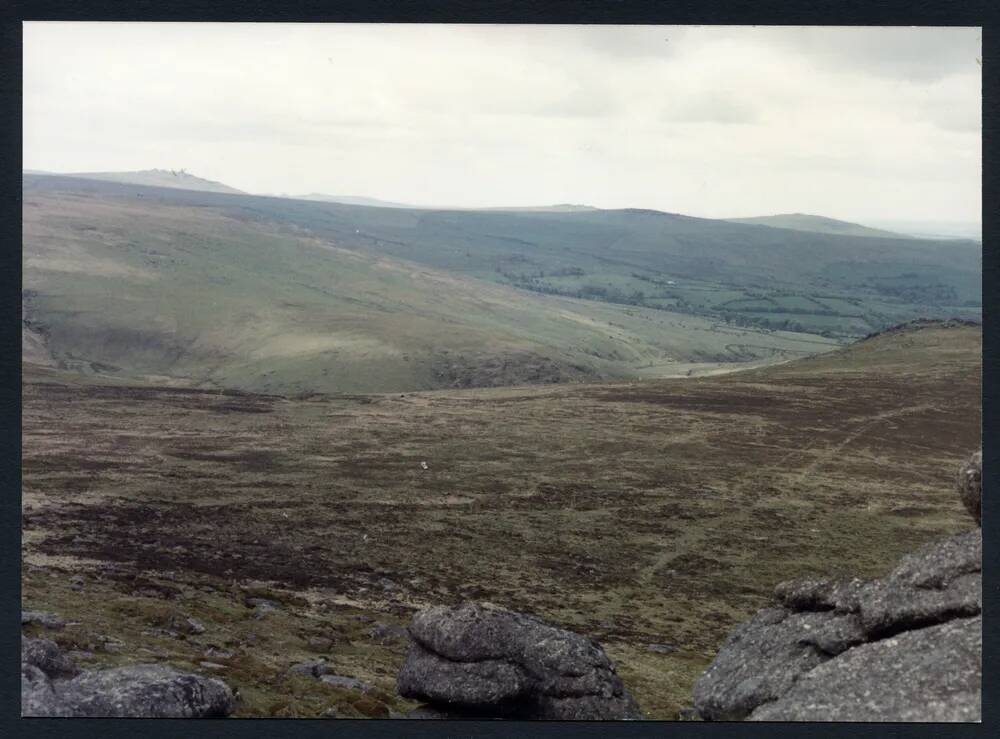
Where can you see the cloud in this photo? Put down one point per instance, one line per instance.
(848, 122)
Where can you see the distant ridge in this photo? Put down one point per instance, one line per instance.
(354, 200)
(818, 224)
(175, 178)
(377, 203)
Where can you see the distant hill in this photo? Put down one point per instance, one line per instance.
(178, 179)
(376, 203)
(353, 200)
(817, 224)
(146, 286)
(733, 274)
(558, 208)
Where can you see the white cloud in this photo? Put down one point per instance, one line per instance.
(851, 123)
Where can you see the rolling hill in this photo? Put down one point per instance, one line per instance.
(739, 274)
(155, 290)
(291, 296)
(818, 224)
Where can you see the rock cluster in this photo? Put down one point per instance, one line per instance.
(51, 685)
(480, 659)
(907, 647)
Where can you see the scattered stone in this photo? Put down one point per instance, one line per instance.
(483, 659)
(312, 668)
(320, 643)
(662, 648)
(212, 666)
(42, 618)
(262, 607)
(217, 653)
(341, 681)
(970, 485)
(76, 583)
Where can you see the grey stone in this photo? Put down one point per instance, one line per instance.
(145, 691)
(42, 618)
(342, 681)
(52, 686)
(819, 594)
(311, 668)
(482, 658)
(47, 657)
(435, 679)
(762, 658)
(930, 674)
(661, 648)
(938, 582)
(806, 659)
(970, 485)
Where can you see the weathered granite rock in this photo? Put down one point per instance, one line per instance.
(936, 583)
(907, 647)
(820, 619)
(486, 659)
(930, 674)
(47, 657)
(52, 686)
(970, 485)
(764, 657)
(42, 618)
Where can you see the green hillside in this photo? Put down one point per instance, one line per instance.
(818, 224)
(734, 273)
(166, 292)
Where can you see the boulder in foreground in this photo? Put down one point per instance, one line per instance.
(480, 659)
(907, 647)
(52, 686)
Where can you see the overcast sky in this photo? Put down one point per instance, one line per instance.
(860, 124)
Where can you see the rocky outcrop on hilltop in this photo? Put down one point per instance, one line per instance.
(483, 660)
(51, 685)
(907, 647)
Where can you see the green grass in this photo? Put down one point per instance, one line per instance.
(153, 290)
(537, 249)
(635, 513)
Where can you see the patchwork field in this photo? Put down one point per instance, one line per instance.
(655, 512)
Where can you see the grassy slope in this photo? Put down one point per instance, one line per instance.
(843, 285)
(818, 224)
(660, 511)
(143, 288)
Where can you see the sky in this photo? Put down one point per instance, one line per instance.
(863, 124)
